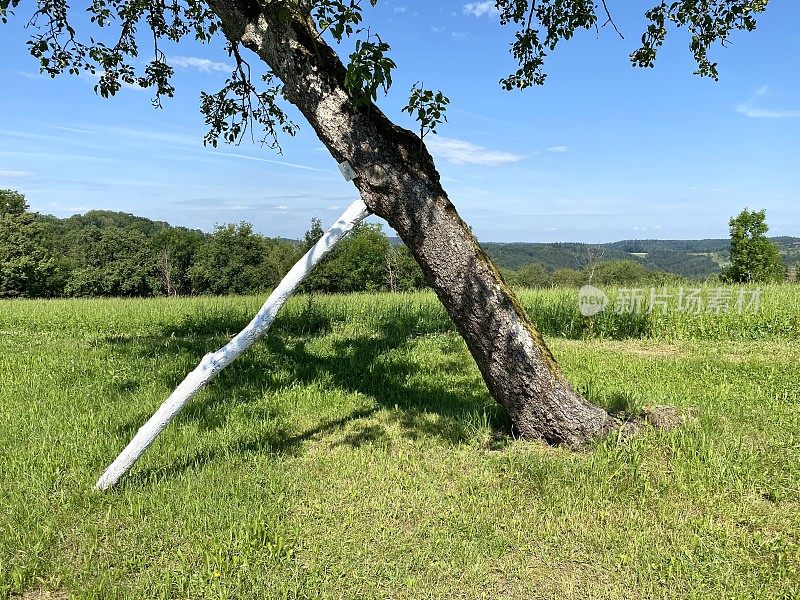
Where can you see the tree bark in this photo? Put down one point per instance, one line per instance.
(399, 182)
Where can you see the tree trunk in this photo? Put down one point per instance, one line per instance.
(165, 266)
(399, 182)
(214, 362)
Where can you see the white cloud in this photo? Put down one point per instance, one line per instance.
(162, 137)
(86, 75)
(479, 9)
(61, 156)
(71, 129)
(32, 76)
(399, 9)
(557, 149)
(755, 110)
(13, 173)
(273, 162)
(461, 152)
(203, 65)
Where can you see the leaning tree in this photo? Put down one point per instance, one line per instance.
(397, 180)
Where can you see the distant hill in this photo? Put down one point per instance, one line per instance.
(572, 255)
(694, 259)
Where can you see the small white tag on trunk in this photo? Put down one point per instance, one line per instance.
(347, 171)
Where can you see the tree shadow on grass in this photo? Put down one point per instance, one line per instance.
(277, 441)
(373, 364)
(367, 365)
(186, 342)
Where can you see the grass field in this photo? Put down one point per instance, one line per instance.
(355, 453)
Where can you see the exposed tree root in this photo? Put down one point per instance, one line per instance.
(659, 416)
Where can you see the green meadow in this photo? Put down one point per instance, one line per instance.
(355, 453)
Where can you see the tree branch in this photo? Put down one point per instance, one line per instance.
(610, 20)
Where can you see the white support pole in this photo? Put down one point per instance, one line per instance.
(214, 362)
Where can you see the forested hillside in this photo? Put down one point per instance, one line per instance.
(693, 259)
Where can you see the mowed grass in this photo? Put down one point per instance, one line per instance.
(355, 453)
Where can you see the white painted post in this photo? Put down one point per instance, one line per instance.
(214, 362)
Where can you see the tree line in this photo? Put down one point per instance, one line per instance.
(104, 253)
(600, 273)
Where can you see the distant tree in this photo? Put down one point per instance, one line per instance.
(313, 234)
(236, 260)
(279, 256)
(12, 203)
(620, 272)
(364, 262)
(532, 275)
(402, 271)
(392, 280)
(168, 270)
(357, 264)
(111, 261)
(509, 275)
(754, 257)
(568, 278)
(313, 281)
(594, 256)
(175, 249)
(27, 265)
(106, 218)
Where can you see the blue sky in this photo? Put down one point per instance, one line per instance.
(602, 152)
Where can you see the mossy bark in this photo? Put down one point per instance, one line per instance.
(399, 182)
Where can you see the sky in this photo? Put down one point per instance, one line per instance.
(602, 152)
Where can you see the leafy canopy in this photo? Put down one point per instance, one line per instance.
(754, 257)
(118, 31)
(12, 203)
(27, 264)
(427, 108)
